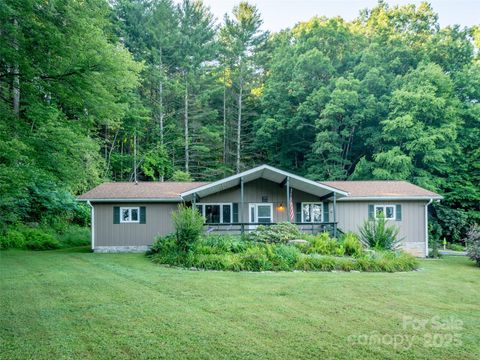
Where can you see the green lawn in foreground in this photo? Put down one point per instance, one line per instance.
(74, 304)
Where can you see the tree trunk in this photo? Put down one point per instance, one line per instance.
(224, 121)
(239, 125)
(187, 155)
(16, 78)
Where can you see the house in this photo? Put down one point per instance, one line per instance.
(128, 216)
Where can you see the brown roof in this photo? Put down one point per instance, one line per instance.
(141, 190)
(172, 190)
(384, 188)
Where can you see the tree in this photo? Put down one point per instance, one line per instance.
(240, 37)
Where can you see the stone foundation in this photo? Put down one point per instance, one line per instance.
(415, 248)
(121, 249)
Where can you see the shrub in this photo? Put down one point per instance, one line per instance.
(74, 235)
(230, 262)
(284, 257)
(188, 226)
(37, 239)
(255, 259)
(473, 243)
(352, 245)
(455, 247)
(376, 234)
(325, 245)
(216, 244)
(316, 263)
(277, 233)
(163, 244)
(12, 239)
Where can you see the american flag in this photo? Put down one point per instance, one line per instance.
(292, 212)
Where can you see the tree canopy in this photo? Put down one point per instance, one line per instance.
(389, 95)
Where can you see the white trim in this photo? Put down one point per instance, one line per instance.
(257, 169)
(384, 206)
(426, 227)
(388, 198)
(134, 200)
(129, 208)
(322, 216)
(221, 210)
(92, 223)
(256, 205)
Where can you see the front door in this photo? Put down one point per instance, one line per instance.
(260, 213)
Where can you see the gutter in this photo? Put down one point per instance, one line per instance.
(426, 226)
(390, 198)
(133, 200)
(92, 223)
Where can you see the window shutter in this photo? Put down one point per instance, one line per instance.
(371, 212)
(116, 214)
(326, 215)
(298, 213)
(143, 215)
(235, 212)
(398, 212)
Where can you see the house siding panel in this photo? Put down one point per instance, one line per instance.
(158, 222)
(352, 214)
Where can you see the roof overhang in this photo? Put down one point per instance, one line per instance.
(130, 200)
(264, 172)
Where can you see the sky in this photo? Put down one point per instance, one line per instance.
(280, 14)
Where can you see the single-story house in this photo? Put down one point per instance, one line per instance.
(127, 216)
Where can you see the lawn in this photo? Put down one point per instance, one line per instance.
(75, 304)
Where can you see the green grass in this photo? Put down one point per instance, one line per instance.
(74, 304)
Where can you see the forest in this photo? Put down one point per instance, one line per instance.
(98, 90)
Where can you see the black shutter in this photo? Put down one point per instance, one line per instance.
(326, 215)
(398, 212)
(116, 214)
(143, 215)
(371, 212)
(298, 213)
(235, 212)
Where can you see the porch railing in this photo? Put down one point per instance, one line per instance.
(311, 228)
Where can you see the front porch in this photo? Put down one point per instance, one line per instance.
(266, 196)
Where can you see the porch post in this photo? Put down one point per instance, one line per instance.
(194, 201)
(334, 214)
(242, 210)
(288, 199)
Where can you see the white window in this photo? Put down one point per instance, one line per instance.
(216, 213)
(312, 212)
(388, 211)
(261, 213)
(129, 214)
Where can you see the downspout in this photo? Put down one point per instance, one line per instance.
(426, 227)
(92, 223)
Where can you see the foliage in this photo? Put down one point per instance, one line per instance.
(38, 239)
(231, 253)
(188, 226)
(455, 247)
(352, 244)
(325, 245)
(378, 235)
(12, 239)
(389, 95)
(276, 233)
(179, 175)
(73, 236)
(473, 243)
